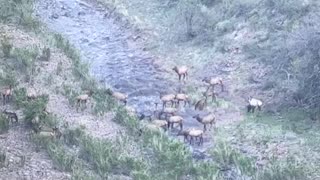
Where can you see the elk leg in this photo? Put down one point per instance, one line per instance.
(253, 108)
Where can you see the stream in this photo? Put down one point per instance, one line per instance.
(113, 57)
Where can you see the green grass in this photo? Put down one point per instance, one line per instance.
(19, 12)
(6, 47)
(4, 124)
(3, 158)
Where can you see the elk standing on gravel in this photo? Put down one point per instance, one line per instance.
(208, 119)
(167, 98)
(175, 120)
(213, 81)
(192, 133)
(182, 71)
(182, 97)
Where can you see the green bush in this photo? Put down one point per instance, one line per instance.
(3, 158)
(35, 108)
(282, 170)
(6, 47)
(20, 12)
(25, 58)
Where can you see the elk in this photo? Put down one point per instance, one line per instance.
(120, 97)
(182, 97)
(167, 98)
(175, 120)
(208, 119)
(6, 93)
(253, 103)
(192, 133)
(182, 71)
(213, 81)
(211, 94)
(201, 104)
(83, 98)
(167, 111)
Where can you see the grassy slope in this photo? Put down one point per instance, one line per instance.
(161, 152)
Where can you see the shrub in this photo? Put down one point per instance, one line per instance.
(282, 170)
(46, 54)
(3, 158)
(6, 47)
(35, 108)
(25, 59)
(4, 124)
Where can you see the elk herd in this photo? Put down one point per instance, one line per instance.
(164, 119)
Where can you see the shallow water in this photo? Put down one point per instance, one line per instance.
(113, 57)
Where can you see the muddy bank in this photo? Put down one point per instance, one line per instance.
(113, 55)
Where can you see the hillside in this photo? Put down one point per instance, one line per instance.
(62, 49)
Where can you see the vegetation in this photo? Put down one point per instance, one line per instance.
(163, 157)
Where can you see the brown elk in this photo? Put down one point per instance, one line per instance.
(208, 119)
(192, 133)
(6, 93)
(213, 81)
(182, 71)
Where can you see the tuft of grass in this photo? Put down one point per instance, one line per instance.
(19, 12)
(3, 158)
(46, 54)
(8, 77)
(6, 47)
(24, 61)
(103, 102)
(282, 170)
(70, 94)
(59, 68)
(35, 108)
(206, 170)
(80, 69)
(108, 158)
(4, 124)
